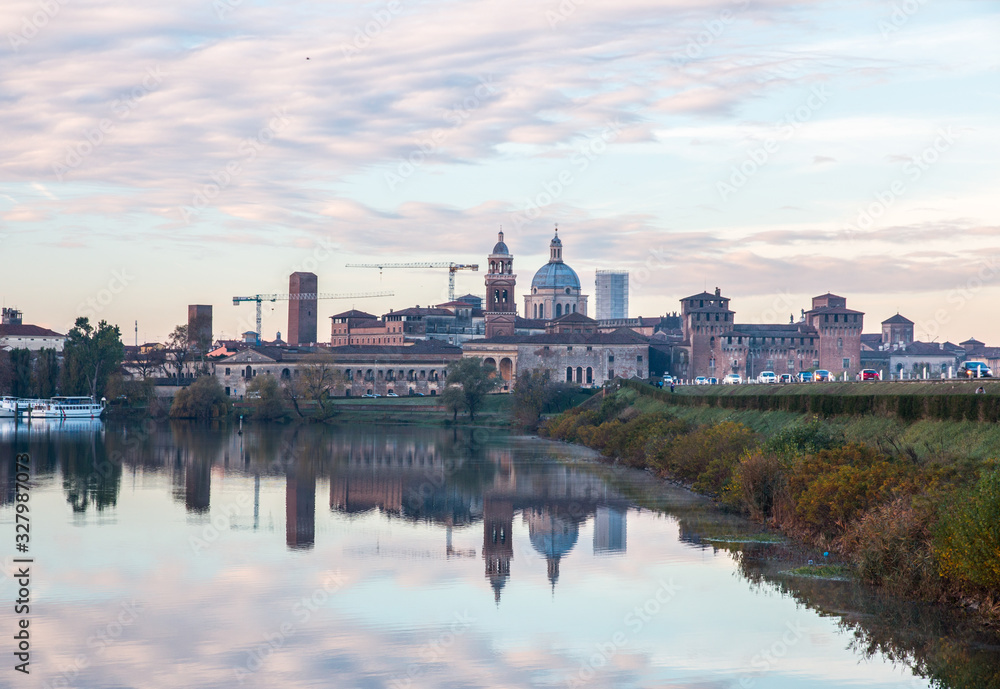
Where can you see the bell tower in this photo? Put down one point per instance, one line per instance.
(500, 281)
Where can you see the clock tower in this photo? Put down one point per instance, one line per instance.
(500, 280)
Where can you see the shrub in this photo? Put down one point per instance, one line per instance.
(758, 480)
(968, 538)
(203, 399)
(890, 546)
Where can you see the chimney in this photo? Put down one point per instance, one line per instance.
(718, 292)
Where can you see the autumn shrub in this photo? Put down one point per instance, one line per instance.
(967, 540)
(891, 547)
(759, 479)
(830, 488)
(203, 399)
(706, 456)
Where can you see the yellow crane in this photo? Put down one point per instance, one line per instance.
(452, 269)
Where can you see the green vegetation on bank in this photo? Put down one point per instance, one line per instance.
(906, 503)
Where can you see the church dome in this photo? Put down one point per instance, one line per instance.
(500, 249)
(555, 276)
(551, 535)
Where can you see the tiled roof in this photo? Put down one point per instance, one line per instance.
(354, 313)
(897, 320)
(621, 336)
(27, 331)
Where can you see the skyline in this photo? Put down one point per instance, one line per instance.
(186, 154)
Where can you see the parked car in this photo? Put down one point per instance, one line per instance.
(805, 377)
(391, 394)
(701, 380)
(732, 379)
(786, 378)
(869, 374)
(767, 377)
(822, 376)
(668, 379)
(713, 381)
(975, 369)
(370, 395)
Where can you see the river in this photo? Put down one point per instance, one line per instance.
(185, 555)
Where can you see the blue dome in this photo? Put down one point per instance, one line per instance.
(500, 249)
(552, 536)
(555, 276)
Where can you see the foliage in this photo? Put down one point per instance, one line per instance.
(475, 379)
(45, 376)
(891, 548)
(130, 393)
(317, 383)
(831, 488)
(146, 364)
(20, 361)
(203, 399)
(6, 372)
(453, 400)
(536, 394)
(968, 537)
(759, 480)
(90, 357)
(267, 403)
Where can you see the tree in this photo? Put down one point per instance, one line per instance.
(146, 364)
(318, 382)
(453, 400)
(180, 350)
(203, 399)
(20, 361)
(90, 357)
(46, 373)
(6, 372)
(535, 394)
(475, 379)
(267, 398)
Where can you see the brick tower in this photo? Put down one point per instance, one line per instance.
(302, 312)
(500, 281)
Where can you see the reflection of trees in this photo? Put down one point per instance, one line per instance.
(89, 475)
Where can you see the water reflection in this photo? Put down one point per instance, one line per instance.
(411, 502)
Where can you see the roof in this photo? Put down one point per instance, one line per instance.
(574, 317)
(354, 313)
(621, 336)
(897, 320)
(422, 311)
(20, 330)
(704, 295)
(463, 304)
(833, 309)
(418, 347)
(771, 330)
(971, 341)
(555, 275)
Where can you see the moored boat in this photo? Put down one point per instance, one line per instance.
(69, 408)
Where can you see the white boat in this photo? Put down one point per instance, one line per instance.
(8, 407)
(69, 408)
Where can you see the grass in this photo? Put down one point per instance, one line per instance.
(915, 387)
(835, 572)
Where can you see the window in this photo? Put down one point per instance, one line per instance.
(639, 359)
(590, 375)
(611, 358)
(590, 349)
(227, 388)
(227, 373)
(847, 363)
(569, 349)
(569, 374)
(840, 342)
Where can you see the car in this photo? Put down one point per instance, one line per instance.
(805, 377)
(767, 377)
(713, 381)
(732, 379)
(822, 376)
(391, 394)
(668, 379)
(975, 369)
(786, 378)
(869, 374)
(371, 395)
(701, 380)
(416, 394)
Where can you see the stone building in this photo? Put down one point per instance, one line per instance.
(897, 330)
(555, 289)
(588, 360)
(365, 369)
(839, 331)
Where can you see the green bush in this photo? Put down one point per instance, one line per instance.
(968, 537)
(203, 399)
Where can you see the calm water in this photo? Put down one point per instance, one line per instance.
(184, 556)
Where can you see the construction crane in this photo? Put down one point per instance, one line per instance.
(259, 298)
(452, 268)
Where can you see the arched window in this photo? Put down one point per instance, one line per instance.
(574, 308)
(285, 374)
(249, 372)
(579, 374)
(590, 375)
(569, 374)
(558, 310)
(505, 296)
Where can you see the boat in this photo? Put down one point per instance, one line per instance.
(69, 408)
(8, 407)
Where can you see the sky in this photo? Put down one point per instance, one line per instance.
(155, 156)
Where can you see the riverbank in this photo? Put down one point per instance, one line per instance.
(905, 503)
